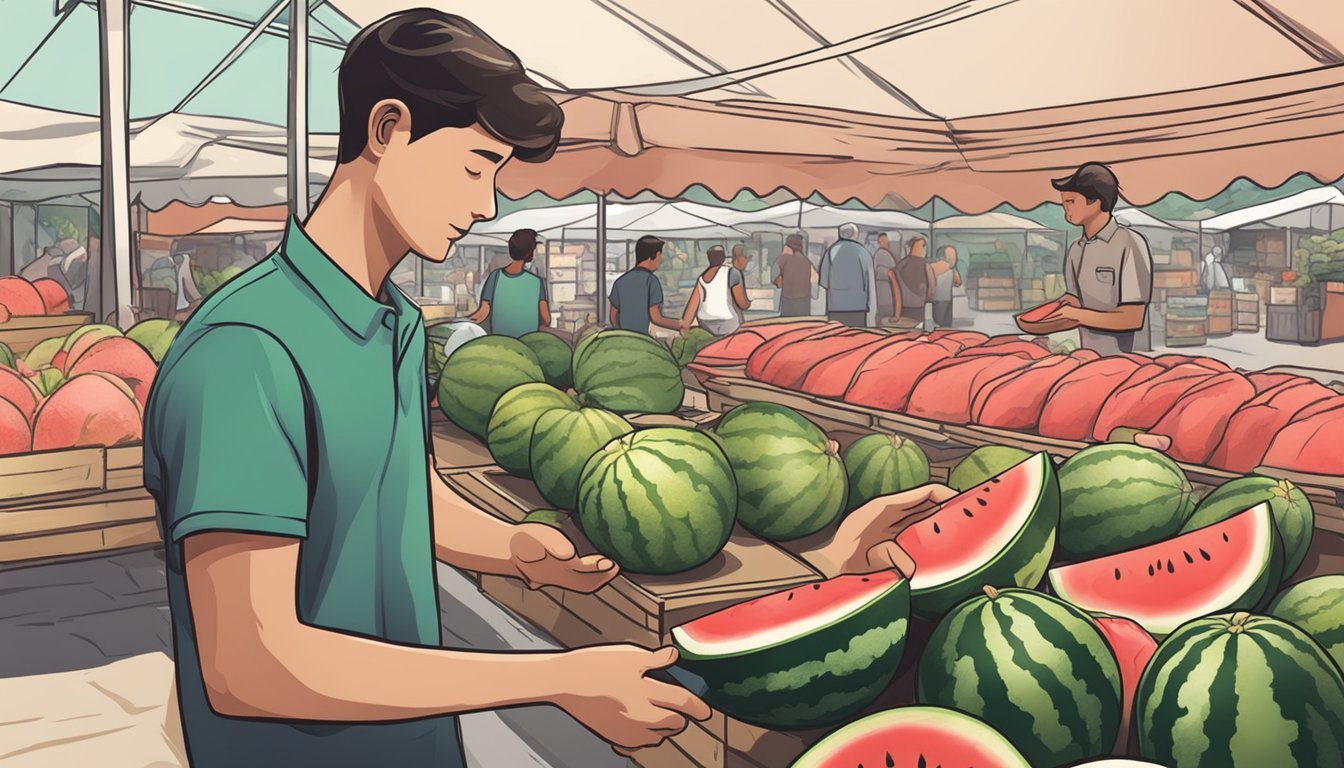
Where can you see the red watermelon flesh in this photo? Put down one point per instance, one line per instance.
(54, 296)
(945, 393)
(1171, 361)
(1084, 355)
(1252, 428)
(1141, 404)
(832, 376)
(784, 615)
(759, 359)
(788, 368)
(1314, 445)
(16, 389)
(735, 348)
(885, 380)
(1133, 648)
(1017, 347)
(1015, 400)
(1264, 382)
(956, 341)
(1227, 565)
(1072, 406)
(20, 297)
(123, 358)
(1199, 418)
(914, 737)
(1039, 313)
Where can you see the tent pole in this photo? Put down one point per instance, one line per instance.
(297, 125)
(601, 258)
(115, 288)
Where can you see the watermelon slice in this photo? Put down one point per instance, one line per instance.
(806, 657)
(914, 736)
(1039, 313)
(1133, 648)
(1000, 533)
(1226, 566)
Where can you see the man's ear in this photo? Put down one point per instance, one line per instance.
(386, 117)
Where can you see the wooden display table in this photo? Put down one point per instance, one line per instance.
(23, 333)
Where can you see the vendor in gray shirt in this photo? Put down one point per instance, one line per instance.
(846, 272)
(1108, 272)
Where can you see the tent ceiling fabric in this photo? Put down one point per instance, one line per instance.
(978, 102)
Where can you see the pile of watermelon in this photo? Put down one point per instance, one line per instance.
(1212, 415)
(88, 388)
(20, 298)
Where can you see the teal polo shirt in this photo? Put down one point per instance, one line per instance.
(293, 404)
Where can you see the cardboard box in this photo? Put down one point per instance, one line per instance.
(1175, 278)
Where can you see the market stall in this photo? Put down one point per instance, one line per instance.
(1008, 262)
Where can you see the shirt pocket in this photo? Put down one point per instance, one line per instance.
(1105, 276)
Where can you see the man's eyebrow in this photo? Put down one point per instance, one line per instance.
(488, 155)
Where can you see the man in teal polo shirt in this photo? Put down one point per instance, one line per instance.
(287, 449)
(514, 298)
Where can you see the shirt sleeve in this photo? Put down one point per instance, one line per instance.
(1136, 272)
(541, 289)
(488, 290)
(655, 291)
(1071, 273)
(824, 270)
(229, 429)
(734, 278)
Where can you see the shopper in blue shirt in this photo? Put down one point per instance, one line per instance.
(637, 296)
(846, 273)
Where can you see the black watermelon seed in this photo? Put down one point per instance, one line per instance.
(865, 579)
(1224, 537)
(1204, 554)
(1188, 558)
(1117, 574)
(816, 586)
(936, 529)
(995, 481)
(890, 763)
(790, 596)
(982, 502)
(1150, 570)
(1170, 568)
(968, 513)
(922, 763)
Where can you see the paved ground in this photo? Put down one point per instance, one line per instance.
(87, 613)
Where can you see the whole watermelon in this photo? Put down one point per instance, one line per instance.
(879, 465)
(509, 433)
(1293, 515)
(660, 500)
(790, 480)
(1116, 496)
(686, 346)
(155, 335)
(983, 463)
(562, 443)
(1241, 691)
(554, 355)
(627, 372)
(6, 356)
(442, 339)
(1031, 666)
(477, 373)
(1316, 606)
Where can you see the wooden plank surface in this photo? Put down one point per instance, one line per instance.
(76, 514)
(122, 536)
(28, 475)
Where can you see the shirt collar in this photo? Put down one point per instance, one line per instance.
(356, 309)
(1106, 233)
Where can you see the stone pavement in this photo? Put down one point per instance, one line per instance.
(87, 613)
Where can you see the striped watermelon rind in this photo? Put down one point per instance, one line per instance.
(1241, 691)
(791, 483)
(1030, 665)
(1316, 606)
(627, 372)
(917, 730)
(1116, 497)
(983, 463)
(509, 433)
(879, 465)
(554, 356)
(813, 680)
(478, 373)
(660, 500)
(1293, 515)
(563, 442)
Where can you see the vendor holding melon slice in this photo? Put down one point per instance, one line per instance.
(1108, 272)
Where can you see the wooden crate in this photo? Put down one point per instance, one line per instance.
(997, 305)
(1220, 326)
(23, 333)
(1175, 278)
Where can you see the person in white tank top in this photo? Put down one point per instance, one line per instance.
(718, 298)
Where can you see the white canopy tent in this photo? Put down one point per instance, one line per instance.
(806, 215)
(625, 221)
(1133, 217)
(1321, 208)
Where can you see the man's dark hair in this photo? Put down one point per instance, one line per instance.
(646, 248)
(450, 74)
(739, 250)
(523, 244)
(795, 242)
(917, 239)
(716, 256)
(1093, 181)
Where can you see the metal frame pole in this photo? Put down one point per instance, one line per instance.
(297, 125)
(114, 18)
(602, 258)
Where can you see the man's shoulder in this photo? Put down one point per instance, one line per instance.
(1130, 237)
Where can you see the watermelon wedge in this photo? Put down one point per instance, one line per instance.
(1133, 648)
(806, 657)
(999, 533)
(1226, 566)
(914, 736)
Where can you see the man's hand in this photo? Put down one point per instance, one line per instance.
(544, 556)
(1063, 313)
(605, 689)
(865, 541)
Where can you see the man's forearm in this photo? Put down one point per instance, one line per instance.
(288, 674)
(1119, 320)
(466, 537)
